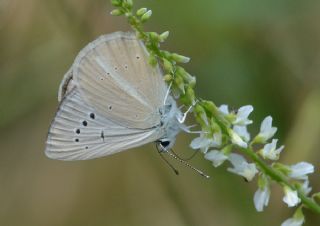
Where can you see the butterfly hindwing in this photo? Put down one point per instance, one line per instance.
(79, 132)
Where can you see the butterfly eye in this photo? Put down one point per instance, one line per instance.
(138, 57)
(165, 144)
(110, 107)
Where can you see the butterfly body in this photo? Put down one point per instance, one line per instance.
(112, 100)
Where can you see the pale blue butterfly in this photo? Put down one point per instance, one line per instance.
(112, 100)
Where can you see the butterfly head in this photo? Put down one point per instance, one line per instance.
(170, 124)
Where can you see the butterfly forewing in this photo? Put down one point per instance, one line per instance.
(114, 77)
(79, 132)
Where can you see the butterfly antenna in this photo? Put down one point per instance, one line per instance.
(168, 163)
(185, 159)
(187, 164)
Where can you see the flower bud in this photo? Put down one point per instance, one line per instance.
(167, 65)
(141, 11)
(179, 82)
(166, 54)
(146, 16)
(164, 36)
(179, 58)
(190, 97)
(200, 115)
(154, 36)
(282, 168)
(227, 149)
(236, 139)
(167, 78)
(128, 4)
(210, 107)
(186, 76)
(116, 12)
(152, 60)
(139, 35)
(116, 2)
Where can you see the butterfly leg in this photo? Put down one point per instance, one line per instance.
(184, 115)
(187, 129)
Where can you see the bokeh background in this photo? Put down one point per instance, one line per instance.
(265, 53)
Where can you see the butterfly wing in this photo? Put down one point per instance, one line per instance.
(79, 132)
(113, 75)
(66, 85)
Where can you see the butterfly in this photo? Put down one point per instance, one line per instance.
(112, 100)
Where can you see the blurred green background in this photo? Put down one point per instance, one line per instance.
(265, 53)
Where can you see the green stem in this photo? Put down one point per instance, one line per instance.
(281, 179)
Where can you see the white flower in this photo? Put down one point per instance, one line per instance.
(296, 220)
(236, 139)
(261, 198)
(242, 167)
(242, 116)
(300, 170)
(204, 143)
(266, 130)
(291, 197)
(293, 222)
(224, 109)
(305, 187)
(200, 142)
(242, 132)
(269, 151)
(216, 157)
